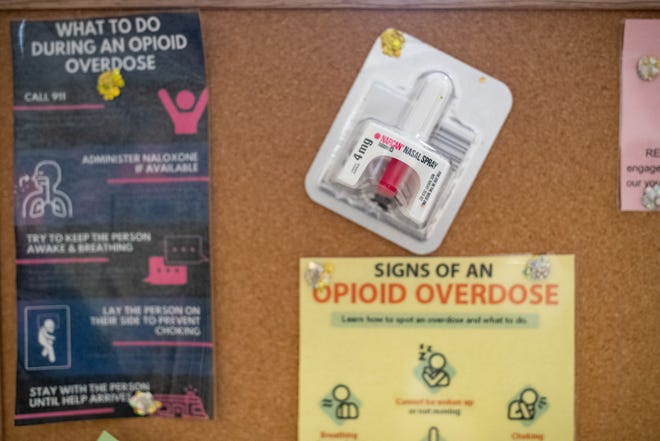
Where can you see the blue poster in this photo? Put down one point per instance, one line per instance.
(111, 219)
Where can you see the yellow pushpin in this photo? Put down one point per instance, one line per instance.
(109, 84)
(392, 41)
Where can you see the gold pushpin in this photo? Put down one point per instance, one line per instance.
(392, 41)
(109, 84)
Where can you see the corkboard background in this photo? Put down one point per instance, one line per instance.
(276, 80)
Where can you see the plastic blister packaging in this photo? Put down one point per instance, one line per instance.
(408, 142)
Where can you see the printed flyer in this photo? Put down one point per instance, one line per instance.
(640, 131)
(111, 219)
(437, 349)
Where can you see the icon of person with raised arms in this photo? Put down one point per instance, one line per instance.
(345, 409)
(434, 374)
(524, 408)
(187, 110)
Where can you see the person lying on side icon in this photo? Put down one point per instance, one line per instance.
(47, 340)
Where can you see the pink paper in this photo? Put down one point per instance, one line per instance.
(640, 115)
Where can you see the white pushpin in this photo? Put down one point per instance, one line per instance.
(648, 67)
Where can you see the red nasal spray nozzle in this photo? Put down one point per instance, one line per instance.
(395, 174)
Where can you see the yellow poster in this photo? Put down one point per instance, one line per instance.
(437, 349)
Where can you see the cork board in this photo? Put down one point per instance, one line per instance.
(276, 80)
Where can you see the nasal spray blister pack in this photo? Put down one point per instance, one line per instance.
(408, 142)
